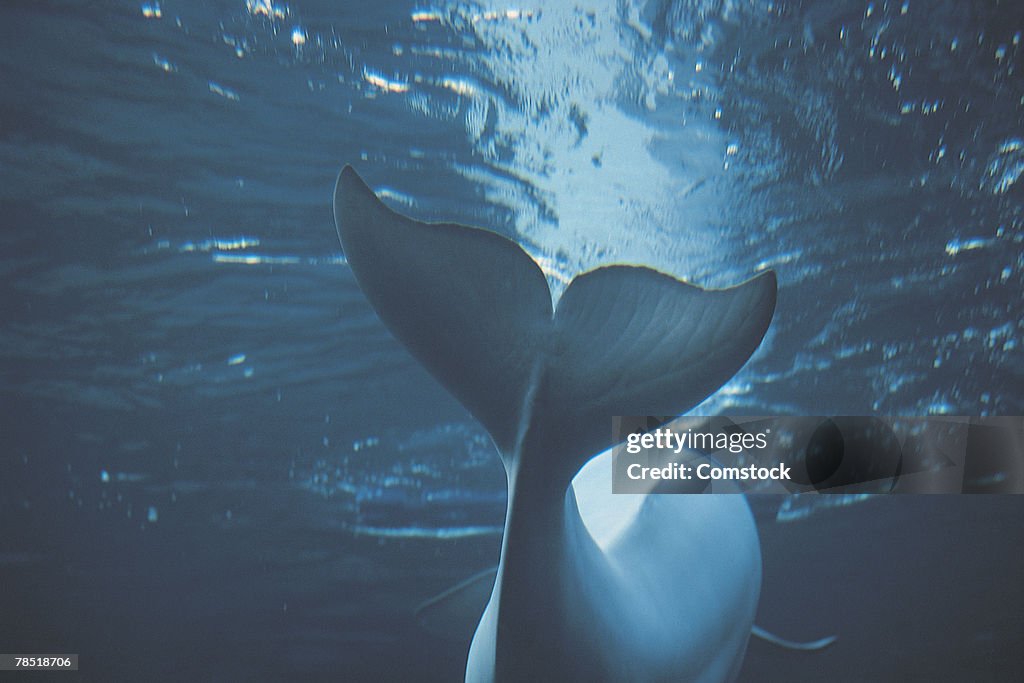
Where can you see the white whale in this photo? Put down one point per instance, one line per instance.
(640, 588)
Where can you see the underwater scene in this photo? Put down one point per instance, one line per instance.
(218, 464)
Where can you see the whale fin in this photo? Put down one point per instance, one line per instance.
(455, 613)
(470, 305)
(475, 309)
(665, 345)
(809, 646)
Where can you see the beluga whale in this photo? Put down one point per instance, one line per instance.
(589, 586)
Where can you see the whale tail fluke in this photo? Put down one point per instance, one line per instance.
(470, 305)
(476, 311)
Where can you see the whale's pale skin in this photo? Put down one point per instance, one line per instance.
(637, 588)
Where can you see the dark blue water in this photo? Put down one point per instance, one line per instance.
(216, 464)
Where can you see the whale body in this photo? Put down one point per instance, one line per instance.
(637, 587)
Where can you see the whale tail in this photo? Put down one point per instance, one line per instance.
(476, 311)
